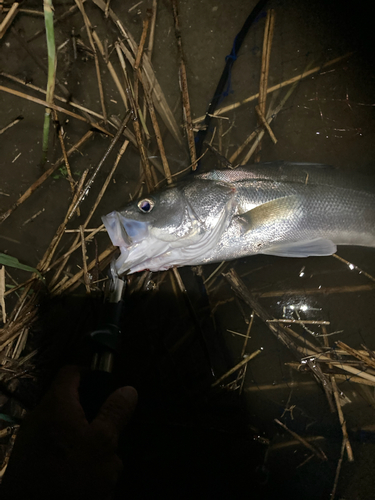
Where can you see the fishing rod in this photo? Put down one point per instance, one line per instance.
(98, 384)
(225, 76)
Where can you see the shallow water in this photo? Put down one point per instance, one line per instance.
(329, 118)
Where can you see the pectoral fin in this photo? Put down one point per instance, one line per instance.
(273, 212)
(318, 247)
(283, 217)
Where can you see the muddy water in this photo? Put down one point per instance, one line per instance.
(329, 118)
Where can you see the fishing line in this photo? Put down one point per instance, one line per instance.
(225, 78)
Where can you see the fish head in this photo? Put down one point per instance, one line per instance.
(169, 227)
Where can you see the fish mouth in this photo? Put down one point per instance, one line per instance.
(139, 248)
(124, 232)
(137, 245)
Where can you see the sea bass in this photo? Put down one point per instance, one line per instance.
(283, 209)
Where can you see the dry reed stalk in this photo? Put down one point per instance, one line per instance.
(243, 146)
(157, 94)
(137, 78)
(184, 89)
(63, 150)
(353, 266)
(338, 470)
(84, 192)
(237, 367)
(63, 260)
(109, 252)
(97, 229)
(348, 447)
(265, 124)
(97, 67)
(137, 129)
(106, 12)
(35, 100)
(299, 321)
(346, 442)
(8, 19)
(8, 451)
(247, 334)
(143, 153)
(49, 253)
(5, 432)
(294, 442)
(304, 340)
(107, 181)
(215, 272)
(72, 249)
(340, 364)
(132, 93)
(20, 345)
(2, 295)
(151, 39)
(266, 53)
(14, 329)
(31, 12)
(178, 278)
(159, 140)
(152, 29)
(270, 116)
(148, 100)
(33, 217)
(243, 377)
(356, 354)
(111, 69)
(142, 41)
(339, 352)
(58, 98)
(247, 141)
(66, 14)
(317, 451)
(238, 333)
(285, 385)
(350, 369)
(43, 177)
(367, 351)
(297, 78)
(11, 124)
(356, 380)
(313, 291)
(220, 136)
(86, 277)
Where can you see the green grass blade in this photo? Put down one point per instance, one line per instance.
(52, 61)
(8, 260)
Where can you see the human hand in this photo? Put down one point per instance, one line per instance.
(59, 455)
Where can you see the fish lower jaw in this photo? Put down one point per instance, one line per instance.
(137, 258)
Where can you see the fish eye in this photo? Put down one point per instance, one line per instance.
(146, 205)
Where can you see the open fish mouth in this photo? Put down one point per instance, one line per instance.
(136, 244)
(124, 232)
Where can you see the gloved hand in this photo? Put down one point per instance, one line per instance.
(59, 455)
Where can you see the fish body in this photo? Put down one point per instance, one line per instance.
(284, 209)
